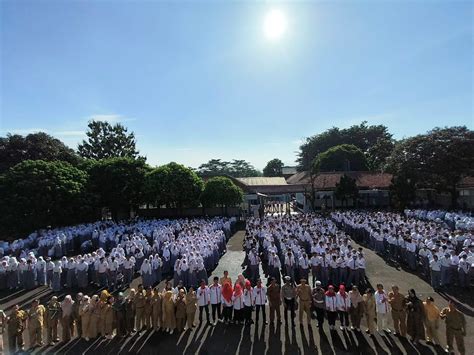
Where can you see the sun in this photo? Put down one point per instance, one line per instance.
(274, 25)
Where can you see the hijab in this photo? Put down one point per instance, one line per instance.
(227, 291)
(237, 290)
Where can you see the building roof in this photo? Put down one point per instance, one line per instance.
(328, 180)
(466, 182)
(262, 181)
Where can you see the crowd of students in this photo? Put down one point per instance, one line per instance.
(455, 220)
(151, 247)
(444, 256)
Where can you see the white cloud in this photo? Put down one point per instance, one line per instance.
(69, 133)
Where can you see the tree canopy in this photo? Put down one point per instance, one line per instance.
(374, 141)
(174, 185)
(234, 168)
(439, 159)
(37, 193)
(273, 168)
(221, 191)
(344, 157)
(108, 141)
(346, 188)
(35, 146)
(118, 183)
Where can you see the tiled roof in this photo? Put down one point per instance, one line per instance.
(466, 182)
(263, 181)
(328, 181)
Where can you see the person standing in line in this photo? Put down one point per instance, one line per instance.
(225, 278)
(331, 307)
(356, 309)
(303, 292)
(237, 299)
(455, 327)
(204, 300)
(435, 268)
(67, 321)
(431, 321)
(191, 308)
(288, 296)
(75, 314)
(180, 311)
(156, 305)
(139, 306)
(15, 328)
(53, 315)
(260, 300)
(215, 291)
(370, 311)
(248, 302)
(415, 317)
(227, 303)
(169, 317)
(343, 306)
(36, 323)
(383, 308)
(274, 300)
(398, 305)
(319, 305)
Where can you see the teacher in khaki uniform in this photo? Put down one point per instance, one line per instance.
(455, 327)
(303, 291)
(399, 315)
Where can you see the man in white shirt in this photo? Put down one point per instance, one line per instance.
(259, 300)
(382, 307)
(435, 268)
(204, 300)
(215, 291)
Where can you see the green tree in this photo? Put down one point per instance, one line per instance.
(235, 168)
(221, 191)
(118, 183)
(346, 188)
(343, 157)
(438, 159)
(108, 141)
(273, 168)
(174, 185)
(363, 136)
(35, 194)
(36, 146)
(402, 192)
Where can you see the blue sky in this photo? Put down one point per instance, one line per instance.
(198, 80)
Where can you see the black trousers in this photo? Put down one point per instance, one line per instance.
(206, 308)
(247, 314)
(216, 308)
(344, 318)
(332, 316)
(290, 306)
(320, 316)
(227, 313)
(259, 307)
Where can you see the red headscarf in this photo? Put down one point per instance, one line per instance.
(330, 292)
(342, 291)
(248, 285)
(237, 290)
(227, 291)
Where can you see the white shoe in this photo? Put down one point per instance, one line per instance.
(341, 327)
(172, 331)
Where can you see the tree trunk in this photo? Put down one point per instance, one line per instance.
(454, 197)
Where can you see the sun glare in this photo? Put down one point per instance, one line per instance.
(274, 25)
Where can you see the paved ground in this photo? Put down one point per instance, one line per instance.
(262, 339)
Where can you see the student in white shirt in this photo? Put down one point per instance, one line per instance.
(215, 291)
(260, 300)
(204, 300)
(248, 302)
(382, 307)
